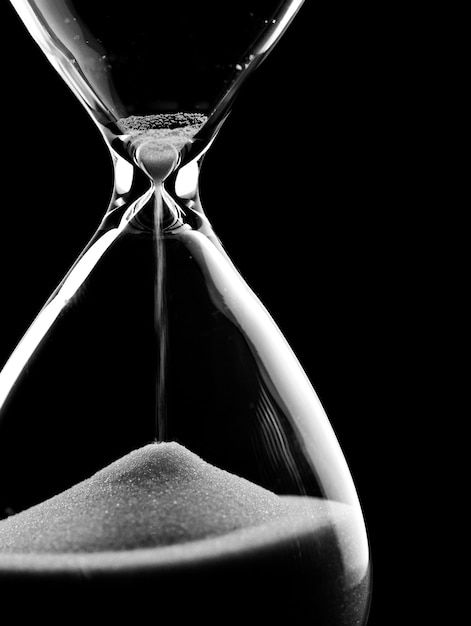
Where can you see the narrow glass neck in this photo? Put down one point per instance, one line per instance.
(144, 204)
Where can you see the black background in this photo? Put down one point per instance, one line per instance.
(305, 185)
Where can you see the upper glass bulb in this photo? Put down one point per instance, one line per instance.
(192, 58)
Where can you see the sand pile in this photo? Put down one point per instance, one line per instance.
(135, 124)
(162, 529)
(157, 139)
(159, 495)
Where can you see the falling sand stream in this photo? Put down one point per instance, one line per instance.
(157, 141)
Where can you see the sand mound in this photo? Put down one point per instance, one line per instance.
(159, 495)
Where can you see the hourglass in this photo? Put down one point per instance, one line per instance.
(176, 445)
